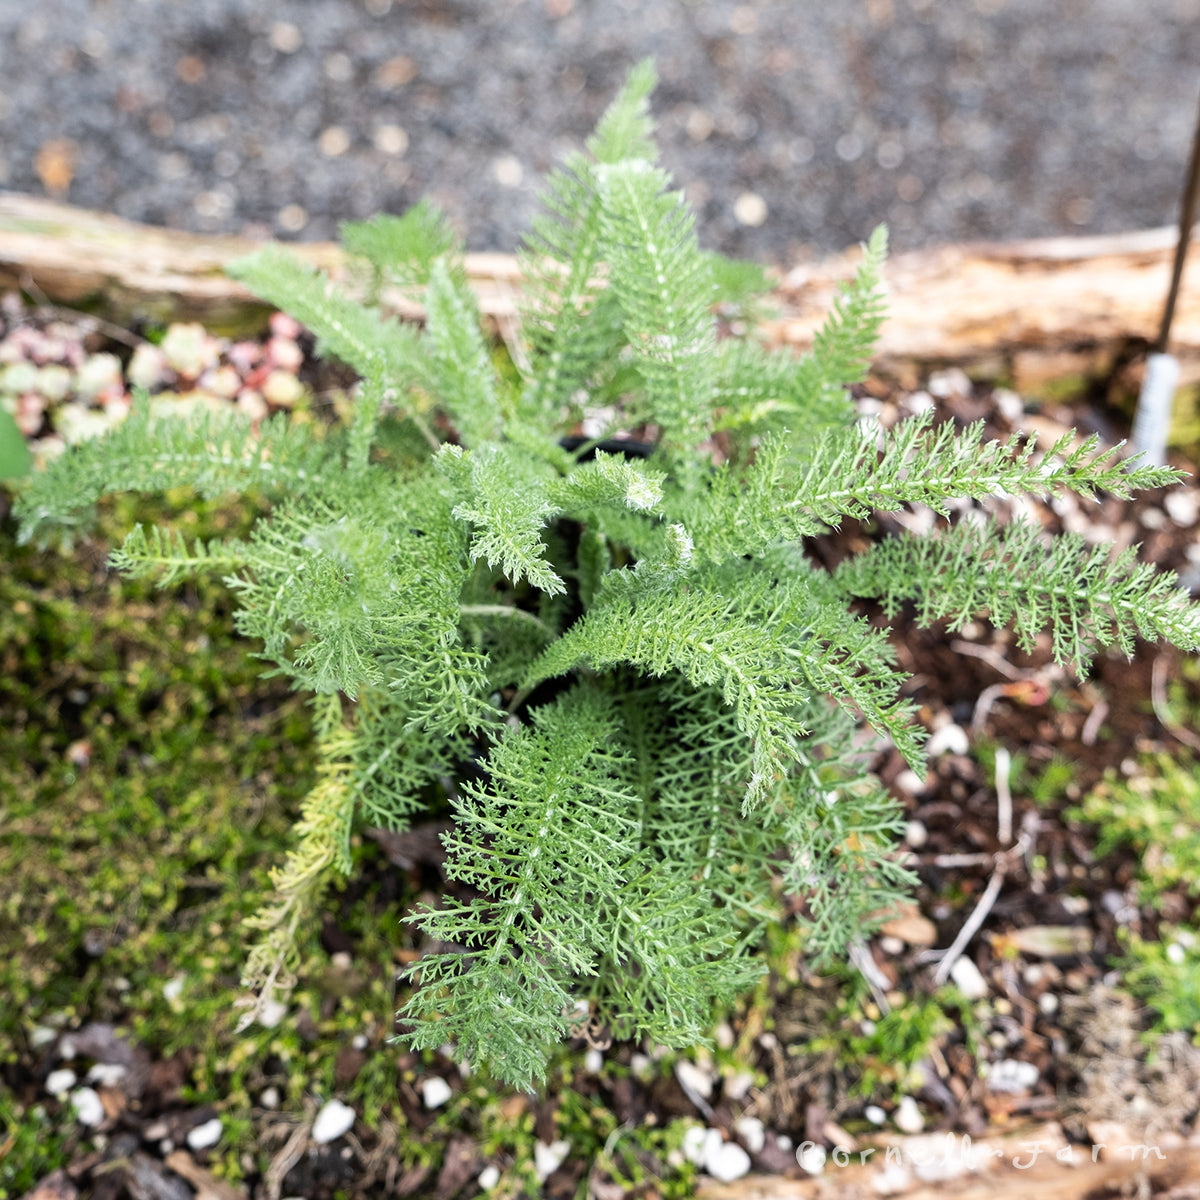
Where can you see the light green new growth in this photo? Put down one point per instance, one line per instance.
(601, 650)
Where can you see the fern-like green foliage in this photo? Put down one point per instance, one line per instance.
(605, 653)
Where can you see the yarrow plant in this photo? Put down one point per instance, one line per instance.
(568, 600)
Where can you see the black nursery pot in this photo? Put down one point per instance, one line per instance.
(626, 446)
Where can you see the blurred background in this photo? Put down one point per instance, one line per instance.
(794, 125)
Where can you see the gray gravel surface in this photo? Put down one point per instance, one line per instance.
(794, 125)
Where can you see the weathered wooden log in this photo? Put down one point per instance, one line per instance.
(1034, 307)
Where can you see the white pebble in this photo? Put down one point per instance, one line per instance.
(909, 782)
(891, 945)
(488, 1178)
(954, 381)
(593, 1061)
(694, 1139)
(641, 1066)
(88, 1109)
(107, 1075)
(915, 834)
(59, 1082)
(1182, 505)
(203, 1136)
(693, 1079)
(173, 988)
(41, 1035)
(334, 1119)
(950, 739)
(1048, 1003)
(1012, 1075)
(750, 209)
(907, 1116)
(725, 1161)
(271, 1012)
(508, 172)
(738, 1084)
(435, 1091)
(968, 979)
(270, 1097)
(1011, 406)
(547, 1159)
(875, 1114)
(752, 1132)
(724, 1035)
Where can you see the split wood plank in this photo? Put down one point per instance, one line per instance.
(952, 304)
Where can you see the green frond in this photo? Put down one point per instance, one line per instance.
(664, 287)
(401, 250)
(352, 332)
(1082, 595)
(462, 375)
(550, 836)
(757, 390)
(215, 453)
(322, 850)
(626, 131)
(164, 555)
(842, 348)
(609, 479)
(844, 473)
(505, 500)
(705, 637)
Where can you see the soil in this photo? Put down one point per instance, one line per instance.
(1082, 1043)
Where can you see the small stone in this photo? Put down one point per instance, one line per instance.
(738, 1085)
(1012, 1076)
(1182, 505)
(724, 1036)
(693, 1079)
(891, 945)
(752, 1132)
(98, 372)
(909, 782)
(108, 1075)
(292, 218)
(206, 1135)
(1048, 1003)
(41, 1035)
(282, 389)
(593, 1061)
(391, 140)
(725, 1161)
(507, 171)
(173, 988)
(271, 1012)
(359, 1041)
(269, 1097)
(488, 1178)
(88, 1109)
(59, 1082)
(286, 37)
(1011, 406)
(949, 739)
(334, 1119)
(641, 1065)
(875, 1114)
(750, 209)
(435, 1091)
(907, 1116)
(915, 834)
(968, 980)
(548, 1158)
(695, 1138)
(333, 142)
(953, 381)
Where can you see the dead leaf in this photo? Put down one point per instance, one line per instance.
(1046, 941)
(911, 927)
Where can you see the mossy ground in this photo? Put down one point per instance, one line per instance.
(149, 779)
